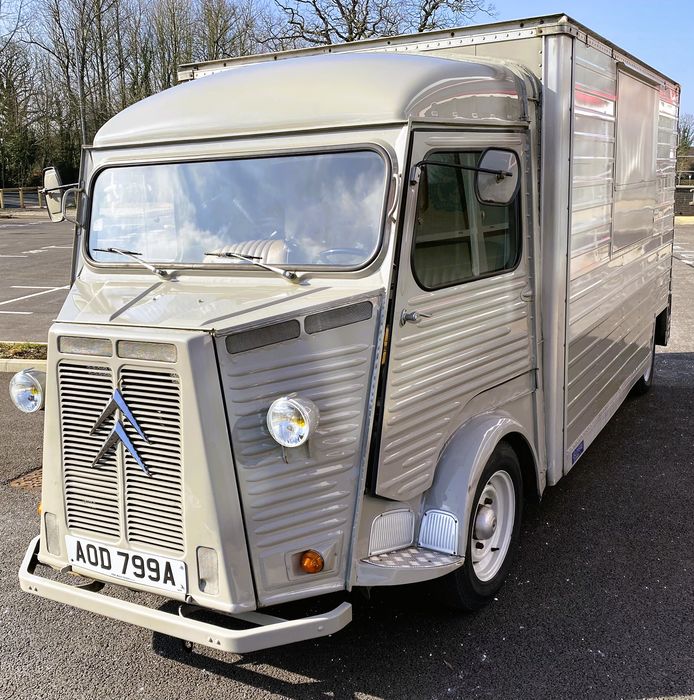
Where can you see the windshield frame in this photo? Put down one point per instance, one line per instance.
(385, 155)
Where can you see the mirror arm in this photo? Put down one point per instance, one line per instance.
(74, 185)
(500, 174)
(70, 188)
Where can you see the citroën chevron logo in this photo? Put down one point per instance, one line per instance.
(117, 403)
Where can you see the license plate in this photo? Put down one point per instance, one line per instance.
(127, 565)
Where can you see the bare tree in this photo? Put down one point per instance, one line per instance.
(685, 143)
(67, 66)
(11, 20)
(335, 21)
(17, 137)
(172, 23)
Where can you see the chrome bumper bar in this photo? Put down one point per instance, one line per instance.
(271, 632)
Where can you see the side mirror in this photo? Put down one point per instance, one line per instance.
(53, 192)
(497, 180)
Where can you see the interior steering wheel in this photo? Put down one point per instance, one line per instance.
(324, 256)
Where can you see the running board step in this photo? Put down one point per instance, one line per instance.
(412, 558)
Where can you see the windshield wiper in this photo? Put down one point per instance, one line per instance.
(133, 256)
(254, 260)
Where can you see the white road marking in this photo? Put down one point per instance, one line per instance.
(29, 286)
(35, 294)
(13, 256)
(18, 313)
(45, 248)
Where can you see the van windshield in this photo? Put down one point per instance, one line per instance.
(300, 210)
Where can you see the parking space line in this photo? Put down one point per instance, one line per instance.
(18, 313)
(35, 294)
(13, 256)
(30, 286)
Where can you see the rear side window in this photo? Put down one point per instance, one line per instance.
(457, 239)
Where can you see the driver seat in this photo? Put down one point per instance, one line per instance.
(269, 251)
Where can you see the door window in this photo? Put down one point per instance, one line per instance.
(457, 239)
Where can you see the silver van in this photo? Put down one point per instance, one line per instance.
(336, 313)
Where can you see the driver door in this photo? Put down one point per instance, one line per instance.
(463, 314)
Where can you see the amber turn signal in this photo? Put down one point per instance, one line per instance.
(311, 562)
(39, 508)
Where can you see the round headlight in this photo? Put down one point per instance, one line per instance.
(26, 390)
(291, 421)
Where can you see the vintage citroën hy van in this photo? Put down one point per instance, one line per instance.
(335, 313)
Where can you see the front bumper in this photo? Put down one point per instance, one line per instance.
(270, 632)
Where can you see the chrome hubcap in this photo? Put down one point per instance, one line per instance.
(493, 525)
(485, 523)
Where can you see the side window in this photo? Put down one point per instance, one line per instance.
(457, 239)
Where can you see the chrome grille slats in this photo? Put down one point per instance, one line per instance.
(91, 494)
(154, 504)
(116, 499)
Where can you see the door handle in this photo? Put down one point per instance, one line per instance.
(527, 295)
(412, 316)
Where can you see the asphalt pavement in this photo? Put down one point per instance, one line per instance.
(599, 603)
(35, 257)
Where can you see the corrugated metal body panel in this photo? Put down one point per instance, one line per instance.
(666, 161)
(595, 295)
(115, 500)
(620, 251)
(602, 357)
(303, 497)
(593, 158)
(477, 337)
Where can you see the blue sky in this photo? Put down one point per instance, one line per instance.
(660, 33)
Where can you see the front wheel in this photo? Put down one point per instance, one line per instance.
(493, 533)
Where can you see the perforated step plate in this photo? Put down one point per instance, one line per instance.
(412, 558)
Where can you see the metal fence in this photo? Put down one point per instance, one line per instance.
(21, 198)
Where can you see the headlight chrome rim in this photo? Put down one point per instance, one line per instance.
(287, 432)
(27, 390)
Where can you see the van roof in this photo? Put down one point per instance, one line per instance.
(321, 92)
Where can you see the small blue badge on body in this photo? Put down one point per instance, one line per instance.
(578, 451)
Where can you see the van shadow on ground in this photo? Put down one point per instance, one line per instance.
(600, 602)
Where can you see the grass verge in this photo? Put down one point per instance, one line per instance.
(22, 351)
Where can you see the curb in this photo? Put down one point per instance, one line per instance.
(10, 365)
(35, 213)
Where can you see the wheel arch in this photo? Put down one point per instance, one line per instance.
(464, 458)
(528, 465)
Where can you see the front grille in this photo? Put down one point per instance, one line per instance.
(154, 504)
(91, 495)
(115, 498)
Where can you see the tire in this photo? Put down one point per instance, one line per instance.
(644, 383)
(474, 584)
